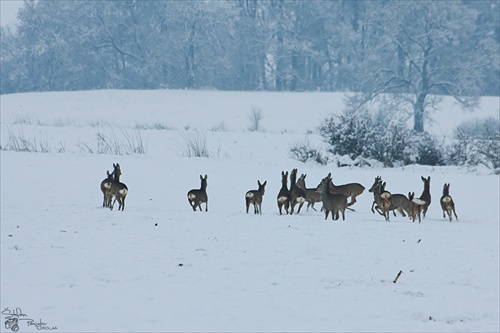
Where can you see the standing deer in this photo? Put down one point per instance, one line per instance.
(197, 197)
(297, 195)
(416, 206)
(118, 190)
(255, 197)
(382, 198)
(331, 202)
(351, 190)
(284, 193)
(447, 204)
(312, 196)
(426, 194)
(105, 188)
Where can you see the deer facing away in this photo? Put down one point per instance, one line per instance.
(197, 197)
(284, 194)
(333, 203)
(297, 195)
(118, 190)
(255, 197)
(426, 194)
(416, 206)
(106, 189)
(447, 204)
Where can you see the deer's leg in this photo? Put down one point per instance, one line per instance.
(379, 210)
(326, 214)
(401, 211)
(279, 207)
(206, 206)
(113, 203)
(373, 204)
(300, 206)
(353, 201)
(456, 217)
(247, 204)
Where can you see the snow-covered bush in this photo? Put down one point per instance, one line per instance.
(476, 143)
(358, 136)
(303, 152)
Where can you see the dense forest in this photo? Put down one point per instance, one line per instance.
(416, 47)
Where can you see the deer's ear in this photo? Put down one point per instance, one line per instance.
(206, 177)
(264, 183)
(201, 177)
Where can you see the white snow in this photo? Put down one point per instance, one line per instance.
(159, 266)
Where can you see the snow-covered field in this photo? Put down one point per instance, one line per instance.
(158, 266)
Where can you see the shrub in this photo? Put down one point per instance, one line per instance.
(357, 136)
(195, 144)
(303, 152)
(255, 119)
(476, 142)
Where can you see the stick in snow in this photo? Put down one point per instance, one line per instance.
(397, 276)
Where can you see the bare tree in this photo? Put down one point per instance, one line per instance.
(418, 50)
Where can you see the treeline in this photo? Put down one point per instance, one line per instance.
(300, 45)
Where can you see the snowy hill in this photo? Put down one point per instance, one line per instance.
(158, 266)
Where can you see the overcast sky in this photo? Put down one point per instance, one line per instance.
(8, 11)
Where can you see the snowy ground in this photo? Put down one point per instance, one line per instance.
(158, 266)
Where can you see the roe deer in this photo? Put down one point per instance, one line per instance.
(255, 197)
(382, 198)
(447, 204)
(426, 194)
(297, 195)
(105, 188)
(312, 196)
(351, 190)
(284, 193)
(331, 202)
(400, 203)
(416, 206)
(197, 197)
(118, 190)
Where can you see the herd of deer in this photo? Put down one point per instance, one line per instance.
(333, 197)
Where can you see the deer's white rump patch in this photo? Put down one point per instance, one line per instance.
(282, 199)
(250, 195)
(446, 199)
(191, 196)
(123, 191)
(385, 195)
(419, 201)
